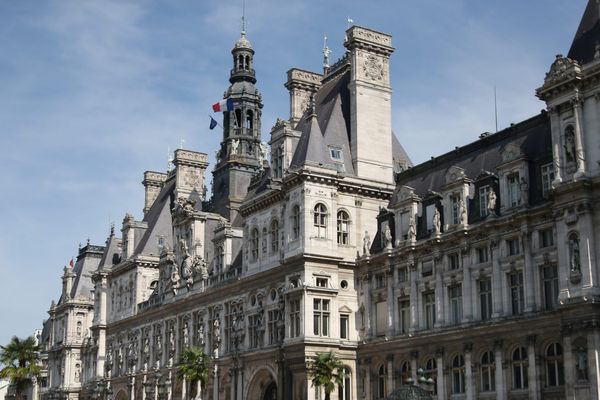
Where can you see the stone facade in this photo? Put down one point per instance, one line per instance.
(478, 266)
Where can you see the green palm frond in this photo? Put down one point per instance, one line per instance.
(326, 371)
(194, 365)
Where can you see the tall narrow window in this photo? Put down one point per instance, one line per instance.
(516, 292)
(454, 261)
(272, 327)
(278, 162)
(294, 318)
(343, 227)
(519, 367)
(555, 375)
(430, 372)
(547, 177)
(482, 254)
(238, 119)
(488, 377)
(514, 189)
(381, 382)
(455, 295)
(546, 238)
(254, 244)
(264, 240)
(550, 277)
(483, 200)
(274, 236)
(429, 302)
(344, 326)
(485, 298)
(249, 122)
(458, 374)
(296, 222)
(321, 317)
(320, 220)
(345, 392)
(405, 372)
(404, 315)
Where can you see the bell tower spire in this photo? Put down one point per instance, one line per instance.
(240, 156)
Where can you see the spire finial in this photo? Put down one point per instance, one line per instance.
(243, 17)
(326, 53)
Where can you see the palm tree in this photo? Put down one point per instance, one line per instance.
(327, 371)
(21, 363)
(194, 366)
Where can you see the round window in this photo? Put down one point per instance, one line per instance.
(344, 284)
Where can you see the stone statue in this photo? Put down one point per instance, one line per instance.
(491, 202)
(462, 210)
(524, 192)
(387, 238)
(158, 345)
(201, 334)
(175, 278)
(186, 334)
(171, 339)
(437, 220)
(199, 267)
(216, 334)
(235, 143)
(109, 357)
(262, 153)
(574, 254)
(366, 244)
(120, 360)
(146, 346)
(570, 151)
(412, 228)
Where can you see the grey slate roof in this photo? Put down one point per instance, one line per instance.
(532, 136)
(112, 252)
(587, 37)
(159, 221)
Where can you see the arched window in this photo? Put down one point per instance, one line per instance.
(488, 378)
(264, 240)
(296, 222)
(555, 375)
(238, 118)
(274, 236)
(343, 227)
(247, 64)
(278, 162)
(430, 372)
(345, 392)
(405, 373)
(219, 256)
(519, 367)
(458, 374)
(249, 121)
(381, 382)
(254, 244)
(240, 62)
(320, 220)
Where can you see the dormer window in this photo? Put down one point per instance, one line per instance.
(336, 154)
(547, 177)
(484, 193)
(514, 189)
(322, 282)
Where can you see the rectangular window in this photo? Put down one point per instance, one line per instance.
(514, 190)
(253, 331)
(402, 275)
(427, 269)
(344, 326)
(483, 200)
(429, 302)
(379, 281)
(382, 318)
(512, 247)
(322, 282)
(482, 255)
(546, 238)
(404, 315)
(455, 201)
(547, 177)
(272, 327)
(454, 261)
(550, 277)
(429, 210)
(516, 292)
(294, 318)
(321, 317)
(455, 295)
(336, 154)
(485, 298)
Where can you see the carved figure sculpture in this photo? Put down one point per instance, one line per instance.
(367, 244)
(524, 192)
(235, 143)
(437, 220)
(175, 278)
(462, 212)
(491, 202)
(387, 238)
(574, 254)
(412, 229)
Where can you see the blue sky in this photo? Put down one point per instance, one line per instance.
(93, 93)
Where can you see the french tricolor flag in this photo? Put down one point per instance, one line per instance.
(223, 105)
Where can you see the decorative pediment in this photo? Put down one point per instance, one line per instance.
(405, 193)
(562, 68)
(455, 173)
(510, 152)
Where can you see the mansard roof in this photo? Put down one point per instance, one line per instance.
(531, 136)
(587, 37)
(112, 252)
(87, 262)
(159, 221)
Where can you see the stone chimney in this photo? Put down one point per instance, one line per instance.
(67, 279)
(301, 85)
(190, 168)
(153, 183)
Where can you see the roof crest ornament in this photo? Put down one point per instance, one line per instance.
(326, 53)
(243, 18)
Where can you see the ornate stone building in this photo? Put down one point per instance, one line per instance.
(478, 266)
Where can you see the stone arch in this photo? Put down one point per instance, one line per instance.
(121, 395)
(263, 385)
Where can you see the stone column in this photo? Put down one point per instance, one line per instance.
(184, 387)
(368, 312)
(499, 372)
(579, 154)
(390, 373)
(497, 292)
(466, 294)
(469, 387)
(528, 274)
(413, 365)
(534, 392)
(593, 339)
(556, 145)
(414, 301)
(588, 261)
(439, 300)
(569, 367)
(441, 384)
(391, 301)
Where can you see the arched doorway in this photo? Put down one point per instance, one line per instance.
(270, 392)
